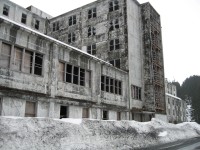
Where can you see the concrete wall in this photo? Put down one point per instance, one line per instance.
(135, 57)
(15, 13)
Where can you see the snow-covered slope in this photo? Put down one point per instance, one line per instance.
(71, 134)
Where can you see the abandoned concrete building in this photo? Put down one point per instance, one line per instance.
(175, 106)
(101, 61)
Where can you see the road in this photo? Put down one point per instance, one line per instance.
(189, 144)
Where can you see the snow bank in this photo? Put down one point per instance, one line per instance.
(68, 134)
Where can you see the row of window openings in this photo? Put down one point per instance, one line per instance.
(22, 60)
(6, 9)
(30, 111)
(92, 13)
(64, 113)
(76, 75)
(111, 85)
(114, 24)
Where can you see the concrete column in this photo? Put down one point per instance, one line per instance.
(51, 109)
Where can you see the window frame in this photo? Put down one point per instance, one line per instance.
(71, 37)
(91, 31)
(115, 63)
(113, 5)
(72, 20)
(136, 92)
(114, 25)
(56, 26)
(107, 86)
(24, 18)
(6, 10)
(70, 74)
(36, 24)
(92, 13)
(114, 45)
(91, 49)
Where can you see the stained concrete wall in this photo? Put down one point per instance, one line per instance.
(15, 13)
(135, 55)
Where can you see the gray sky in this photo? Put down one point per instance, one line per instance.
(180, 21)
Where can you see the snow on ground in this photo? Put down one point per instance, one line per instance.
(75, 134)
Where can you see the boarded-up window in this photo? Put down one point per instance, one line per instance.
(61, 71)
(87, 78)
(85, 113)
(63, 112)
(28, 59)
(17, 61)
(30, 110)
(118, 115)
(5, 55)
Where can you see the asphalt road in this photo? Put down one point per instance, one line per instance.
(188, 144)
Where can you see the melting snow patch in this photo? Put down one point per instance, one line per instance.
(71, 120)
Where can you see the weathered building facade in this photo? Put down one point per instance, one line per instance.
(102, 60)
(175, 106)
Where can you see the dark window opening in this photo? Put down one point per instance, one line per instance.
(92, 13)
(72, 20)
(136, 92)
(69, 73)
(107, 84)
(71, 37)
(23, 19)
(91, 49)
(114, 44)
(111, 86)
(115, 63)
(6, 10)
(82, 77)
(91, 31)
(102, 83)
(114, 5)
(38, 64)
(37, 24)
(114, 24)
(105, 115)
(63, 112)
(56, 26)
(75, 75)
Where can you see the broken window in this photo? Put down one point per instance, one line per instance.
(56, 26)
(17, 60)
(37, 24)
(85, 113)
(30, 109)
(115, 63)
(103, 83)
(91, 49)
(92, 13)
(105, 115)
(75, 75)
(38, 64)
(72, 20)
(71, 37)
(5, 55)
(64, 112)
(136, 92)
(114, 44)
(6, 9)
(114, 24)
(91, 31)
(23, 19)
(69, 73)
(118, 115)
(111, 85)
(113, 5)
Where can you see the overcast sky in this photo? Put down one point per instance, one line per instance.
(180, 21)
